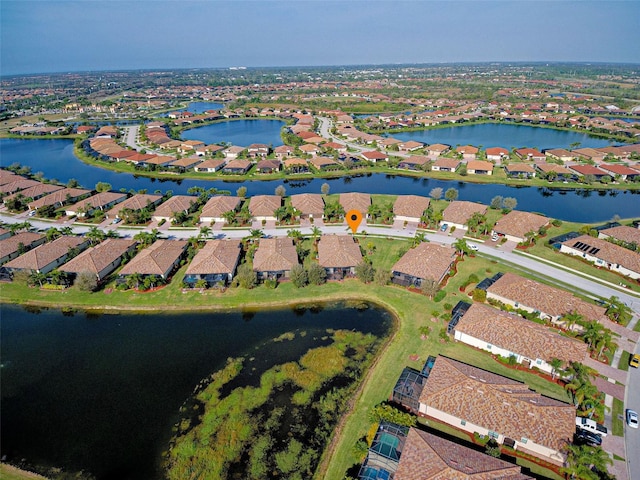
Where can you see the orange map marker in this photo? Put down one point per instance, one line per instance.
(354, 217)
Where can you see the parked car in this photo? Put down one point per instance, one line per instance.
(632, 418)
(473, 247)
(584, 437)
(444, 227)
(494, 237)
(584, 423)
(635, 361)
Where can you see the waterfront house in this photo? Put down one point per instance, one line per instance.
(215, 263)
(217, 206)
(17, 184)
(410, 208)
(59, 198)
(186, 163)
(520, 170)
(444, 164)
(479, 167)
(274, 258)
(309, 205)
(210, 165)
(560, 154)
(263, 207)
(515, 225)
(102, 259)
(427, 261)
(530, 154)
(296, 165)
(558, 170)
(234, 151)
(468, 152)
(375, 156)
(100, 201)
(338, 255)
(268, 166)
(604, 254)
(459, 212)
(356, 201)
(283, 151)
(11, 247)
(237, 167)
(496, 154)
(258, 150)
(618, 172)
(414, 162)
(590, 154)
(176, 203)
(135, 203)
(324, 164)
(622, 233)
(35, 192)
(410, 146)
(437, 149)
(160, 259)
(48, 256)
(583, 170)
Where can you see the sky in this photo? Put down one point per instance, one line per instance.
(64, 36)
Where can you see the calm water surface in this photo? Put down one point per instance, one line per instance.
(56, 160)
(101, 393)
(238, 132)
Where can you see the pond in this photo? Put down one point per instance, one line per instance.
(197, 108)
(56, 160)
(503, 135)
(101, 392)
(238, 132)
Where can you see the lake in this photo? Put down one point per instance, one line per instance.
(198, 107)
(55, 159)
(503, 135)
(101, 393)
(238, 132)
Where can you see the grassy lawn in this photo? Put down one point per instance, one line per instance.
(624, 361)
(618, 417)
(8, 472)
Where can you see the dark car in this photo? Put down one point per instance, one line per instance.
(584, 437)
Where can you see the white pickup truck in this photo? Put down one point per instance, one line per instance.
(591, 426)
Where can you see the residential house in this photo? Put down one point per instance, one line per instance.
(590, 154)
(468, 152)
(309, 149)
(35, 192)
(161, 259)
(583, 170)
(258, 150)
(210, 165)
(234, 151)
(496, 154)
(338, 255)
(268, 166)
(102, 259)
(296, 165)
(530, 154)
(215, 263)
(479, 167)
(217, 206)
(59, 198)
(48, 256)
(283, 151)
(444, 164)
(11, 247)
(437, 149)
(356, 201)
(604, 254)
(262, 207)
(309, 205)
(17, 185)
(338, 147)
(274, 258)
(458, 213)
(520, 170)
(410, 208)
(137, 202)
(628, 235)
(176, 203)
(414, 162)
(410, 146)
(509, 335)
(558, 170)
(427, 261)
(515, 225)
(100, 201)
(619, 172)
(375, 156)
(186, 163)
(478, 401)
(324, 163)
(237, 167)
(549, 303)
(560, 154)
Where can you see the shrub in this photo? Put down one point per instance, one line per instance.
(382, 277)
(365, 272)
(439, 296)
(86, 282)
(246, 277)
(298, 276)
(556, 222)
(444, 335)
(447, 306)
(316, 274)
(492, 448)
(479, 295)
(271, 283)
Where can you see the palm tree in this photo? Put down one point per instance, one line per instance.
(255, 234)
(295, 234)
(38, 277)
(229, 217)
(618, 311)
(580, 459)
(52, 233)
(461, 247)
(418, 239)
(94, 235)
(316, 233)
(592, 334)
(205, 232)
(66, 231)
(572, 318)
(556, 365)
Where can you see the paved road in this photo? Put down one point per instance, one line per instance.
(632, 435)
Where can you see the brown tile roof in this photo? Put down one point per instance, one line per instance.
(468, 149)
(292, 162)
(459, 211)
(338, 251)
(275, 255)
(97, 258)
(438, 147)
(215, 163)
(58, 197)
(321, 162)
(519, 335)
(426, 261)
(10, 244)
(187, 162)
(587, 170)
(264, 205)
(543, 298)
(136, 202)
(497, 151)
(355, 201)
(269, 164)
(98, 200)
(519, 167)
(552, 167)
(619, 169)
(219, 205)
(41, 256)
(444, 162)
(308, 204)
(157, 259)
(414, 160)
(410, 205)
(428, 457)
(217, 256)
(18, 184)
(608, 252)
(479, 165)
(176, 203)
(518, 224)
(238, 164)
(623, 233)
(37, 191)
(498, 403)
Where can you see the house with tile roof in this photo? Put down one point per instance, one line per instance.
(161, 259)
(217, 206)
(233, 151)
(496, 153)
(530, 154)
(427, 261)
(35, 192)
(559, 170)
(100, 201)
(356, 201)
(444, 164)
(404, 453)
(176, 203)
(437, 149)
(413, 162)
(324, 163)
(622, 233)
(620, 171)
(509, 335)
(479, 167)
(59, 198)
(516, 224)
(14, 245)
(410, 208)
(237, 167)
(268, 165)
(468, 152)
(263, 207)
(296, 165)
(137, 202)
(186, 163)
(215, 263)
(102, 259)
(16, 185)
(477, 401)
(338, 255)
(583, 170)
(520, 170)
(48, 256)
(560, 154)
(458, 213)
(548, 302)
(309, 205)
(604, 254)
(274, 258)
(211, 165)
(375, 156)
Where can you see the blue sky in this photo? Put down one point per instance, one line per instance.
(61, 36)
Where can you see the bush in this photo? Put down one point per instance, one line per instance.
(492, 448)
(316, 274)
(271, 283)
(382, 277)
(479, 295)
(447, 306)
(86, 282)
(298, 276)
(444, 335)
(556, 222)
(439, 296)
(245, 277)
(365, 272)
(386, 412)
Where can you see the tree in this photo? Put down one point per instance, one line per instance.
(52, 233)
(205, 232)
(72, 183)
(436, 193)
(461, 247)
(582, 458)
(246, 277)
(365, 272)
(496, 202)
(241, 192)
(37, 277)
(382, 277)
(556, 366)
(295, 234)
(451, 194)
(429, 287)
(102, 187)
(316, 233)
(618, 311)
(509, 203)
(324, 189)
(229, 217)
(281, 191)
(86, 282)
(572, 318)
(298, 276)
(95, 235)
(316, 274)
(418, 238)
